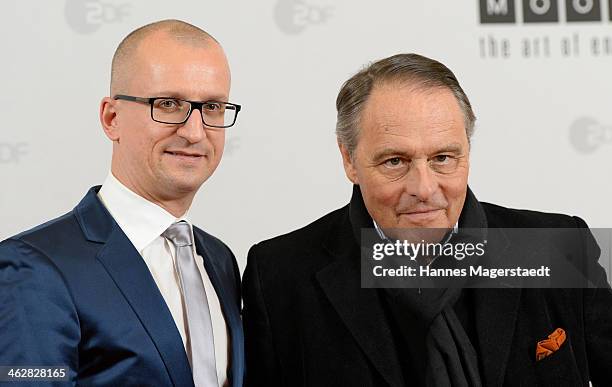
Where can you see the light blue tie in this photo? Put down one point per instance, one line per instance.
(199, 323)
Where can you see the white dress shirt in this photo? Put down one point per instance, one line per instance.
(143, 222)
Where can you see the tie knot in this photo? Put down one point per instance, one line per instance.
(179, 234)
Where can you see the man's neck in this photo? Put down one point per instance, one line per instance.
(177, 206)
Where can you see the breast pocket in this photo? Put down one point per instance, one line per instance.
(559, 368)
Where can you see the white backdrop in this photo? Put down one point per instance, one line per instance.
(541, 92)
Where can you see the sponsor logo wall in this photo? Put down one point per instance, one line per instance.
(537, 73)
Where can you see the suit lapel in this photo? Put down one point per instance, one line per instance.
(133, 278)
(495, 314)
(495, 309)
(225, 285)
(360, 309)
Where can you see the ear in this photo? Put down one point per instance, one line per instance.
(108, 118)
(349, 167)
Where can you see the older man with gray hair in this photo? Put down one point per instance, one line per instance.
(404, 128)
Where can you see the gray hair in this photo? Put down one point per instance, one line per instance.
(425, 72)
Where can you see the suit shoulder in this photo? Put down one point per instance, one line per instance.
(305, 237)
(30, 267)
(48, 235)
(286, 261)
(503, 217)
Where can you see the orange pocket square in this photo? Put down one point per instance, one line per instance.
(550, 345)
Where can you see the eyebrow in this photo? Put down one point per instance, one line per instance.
(454, 148)
(174, 94)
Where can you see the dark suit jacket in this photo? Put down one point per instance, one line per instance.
(308, 321)
(75, 292)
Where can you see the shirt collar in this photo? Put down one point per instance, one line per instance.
(382, 235)
(141, 220)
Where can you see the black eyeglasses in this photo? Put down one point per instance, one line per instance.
(168, 110)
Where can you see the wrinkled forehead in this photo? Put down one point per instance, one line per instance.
(403, 113)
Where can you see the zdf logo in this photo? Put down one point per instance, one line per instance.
(86, 16)
(540, 11)
(587, 135)
(12, 152)
(293, 16)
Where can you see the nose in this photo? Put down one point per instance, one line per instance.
(193, 129)
(421, 182)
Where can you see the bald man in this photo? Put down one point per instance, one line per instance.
(124, 290)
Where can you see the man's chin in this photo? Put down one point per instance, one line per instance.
(182, 186)
(430, 219)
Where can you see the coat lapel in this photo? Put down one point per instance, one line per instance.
(495, 309)
(495, 314)
(131, 275)
(359, 308)
(226, 286)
